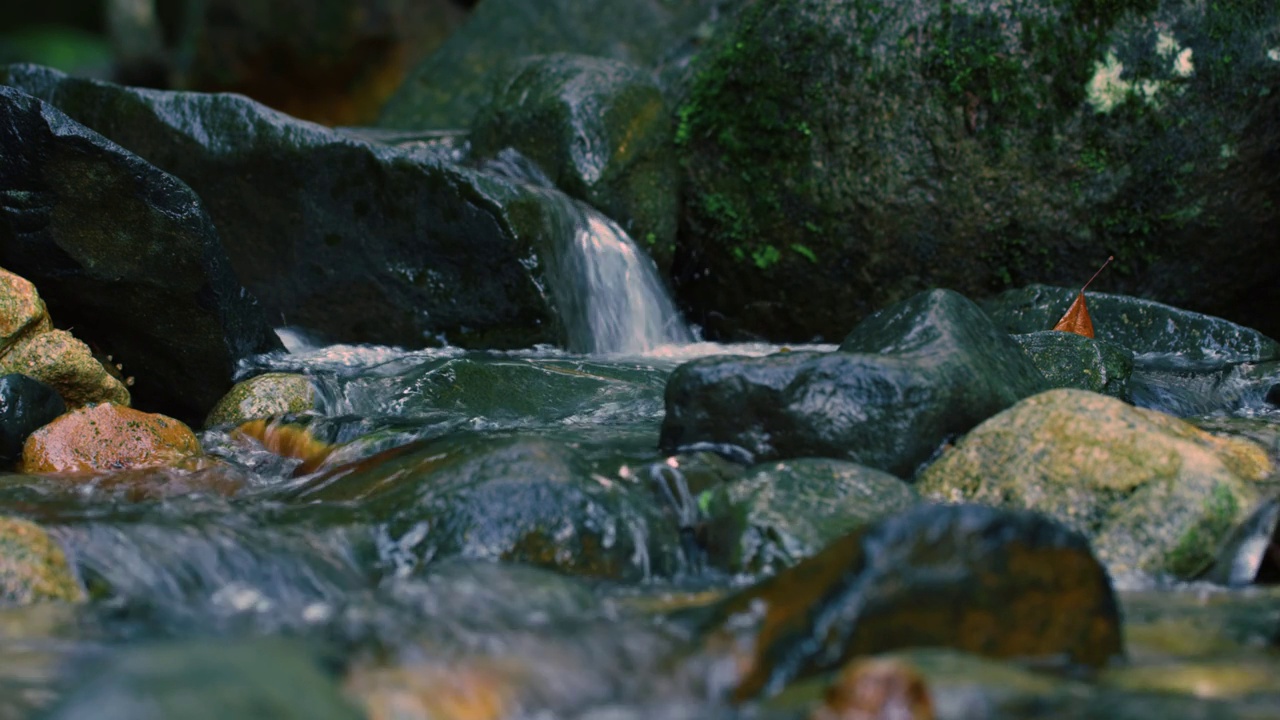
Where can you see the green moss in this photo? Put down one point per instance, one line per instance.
(1194, 551)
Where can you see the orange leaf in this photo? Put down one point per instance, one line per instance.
(1077, 320)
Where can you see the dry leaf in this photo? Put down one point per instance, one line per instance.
(1077, 320)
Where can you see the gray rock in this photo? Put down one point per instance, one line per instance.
(1067, 359)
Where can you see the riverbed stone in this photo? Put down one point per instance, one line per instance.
(263, 396)
(22, 312)
(905, 380)
(1068, 359)
(1154, 494)
(124, 253)
(599, 129)
(33, 567)
(107, 437)
(983, 580)
(841, 155)
(68, 365)
(26, 405)
(782, 512)
(1143, 326)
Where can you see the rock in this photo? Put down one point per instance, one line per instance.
(26, 405)
(67, 365)
(33, 567)
(783, 512)
(600, 131)
(22, 312)
(202, 680)
(841, 155)
(1153, 493)
(1143, 326)
(1251, 553)
(334, 62)
(263, 396)
(107, 437)
(876, 689)
(517, 499)
(126, 254)
(447, 89)
(1068, 360)
(979, 579)
(369, 243)
(904, 380)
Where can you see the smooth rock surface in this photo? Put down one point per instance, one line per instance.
(107, 437)
(26, 405)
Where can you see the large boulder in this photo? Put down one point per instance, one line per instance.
(1154, 494)
(126, 254)
(356, 241)
(843, 154)
(904, 381)
(601, 132)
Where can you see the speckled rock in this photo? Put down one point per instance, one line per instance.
(33, 566)
(66, 364)
(22, 312)
(1153, 493)
(1069, 360)
(263, 396)
(107, 437)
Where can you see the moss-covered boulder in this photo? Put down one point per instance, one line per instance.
(904, 381)
(979, 579)
(1070, 360)
(1154, 494)
(599, 129)
(125, 253)
(68, 366)
(107, 437)
(33, 567)
(783, 512)
(843, 154)
(262, 396)
(1143, 326)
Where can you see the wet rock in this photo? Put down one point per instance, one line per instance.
(1153, 493)
(876, 689)
(1143, 326)
(107, 437)
(904, 380)
(66, 364)
(26, 405)
(447, 89)
(840, 155)
(334, 62)
(22, 312)
(1251, 553)
(783, 512)
(514, 499)
(1258, 430)
(975, 578)
(202, 680)
(1075, 361)
(33, 567)
(263, 396)
(369, 243)
(600, 131)
(125, 254)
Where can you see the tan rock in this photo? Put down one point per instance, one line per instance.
(68, 366)
(107, 437)
(264, 396)
(22, 312)
(32, 566)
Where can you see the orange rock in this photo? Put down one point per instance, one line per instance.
(874, 689)
(107, 437)
(289, 441)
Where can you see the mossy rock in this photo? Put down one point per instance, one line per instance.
(107, 437)
(264, 396)
(840, 155)
(1069, 360)
(33, 567)
(67, 365)
(1154, 494)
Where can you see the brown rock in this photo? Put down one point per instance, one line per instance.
(33, 566)
(875, 689)
(22, 312)
(68, 366)
(107, 437)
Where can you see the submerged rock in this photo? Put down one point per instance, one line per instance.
(26, 405)
(1153, 493)
(783, 512)
(264, 396)
(125, 253)
(840, 155)
(33, 568)
(600, 131)
(1075, 361)
(107, 437)
(1142, 326)
(987, 581)
(904, 380)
